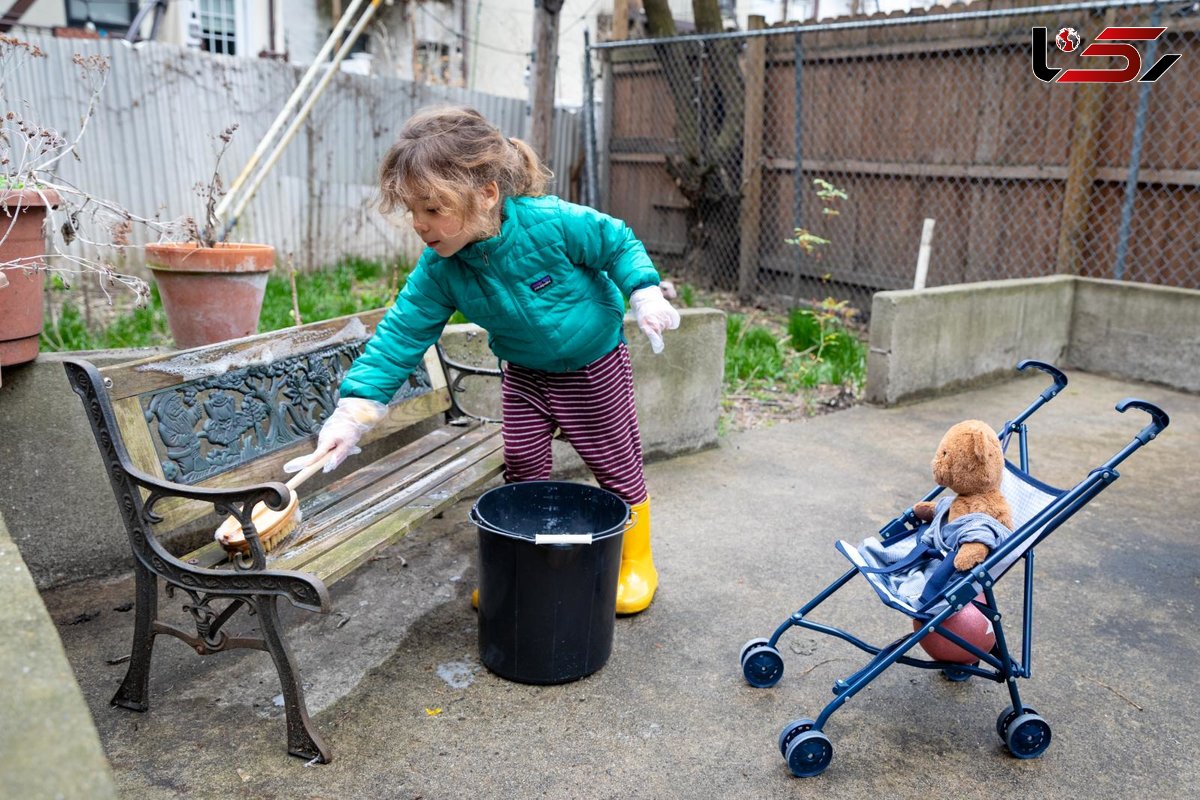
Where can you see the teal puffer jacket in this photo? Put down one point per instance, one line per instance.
(549, 289)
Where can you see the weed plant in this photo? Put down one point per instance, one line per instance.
(815, 347)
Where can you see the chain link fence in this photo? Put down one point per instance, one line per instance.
(804, 161)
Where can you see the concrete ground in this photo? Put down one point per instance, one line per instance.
(743, 537)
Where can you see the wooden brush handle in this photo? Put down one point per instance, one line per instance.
(306, 473)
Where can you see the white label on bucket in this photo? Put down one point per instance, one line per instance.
(562, 538)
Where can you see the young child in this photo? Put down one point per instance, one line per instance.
(547, 279)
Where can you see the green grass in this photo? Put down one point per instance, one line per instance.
(813, 347)
(353, 285)
(834, 353)
(750, 352)
(69, 330)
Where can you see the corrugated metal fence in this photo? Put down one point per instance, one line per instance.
(154, 138)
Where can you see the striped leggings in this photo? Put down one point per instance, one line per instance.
(593, 407)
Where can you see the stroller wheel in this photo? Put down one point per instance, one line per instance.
(809, 754)
(1028, 736)
(956, 674)
(1007, 716)
(753, 644)
(791, 731)
(762, 665)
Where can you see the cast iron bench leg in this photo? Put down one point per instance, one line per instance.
(303, 739)
(135, 689)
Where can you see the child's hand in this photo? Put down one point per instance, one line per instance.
(339, 436)
(654, 315)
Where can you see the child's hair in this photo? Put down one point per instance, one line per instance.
(444, 153)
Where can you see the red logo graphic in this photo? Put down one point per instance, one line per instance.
(1111, 43)
(1067, 39)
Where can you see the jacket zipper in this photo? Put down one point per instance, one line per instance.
(512, 297)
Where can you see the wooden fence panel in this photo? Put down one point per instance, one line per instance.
(942, 120)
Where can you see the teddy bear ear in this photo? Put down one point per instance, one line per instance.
(984, 442)
(980, 445)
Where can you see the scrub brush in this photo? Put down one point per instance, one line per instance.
(272, 526)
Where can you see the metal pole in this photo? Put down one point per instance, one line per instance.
(923, 253)
(589, 124)
(959, 16)
(1135, 156)
(797, 174)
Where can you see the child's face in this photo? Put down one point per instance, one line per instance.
(449, 233)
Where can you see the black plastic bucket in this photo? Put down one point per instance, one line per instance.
(549, 556)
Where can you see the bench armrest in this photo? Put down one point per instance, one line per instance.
(456, 373)
(137, 510)
(250, 575)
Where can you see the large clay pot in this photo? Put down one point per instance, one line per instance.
(22, 243)
(210, 294)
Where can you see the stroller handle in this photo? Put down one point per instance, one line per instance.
(1060, 380)
(1049, 393)
(1158, 417)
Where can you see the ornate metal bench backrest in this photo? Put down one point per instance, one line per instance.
(232, 414)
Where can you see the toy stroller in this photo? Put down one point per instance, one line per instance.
(1037, 510)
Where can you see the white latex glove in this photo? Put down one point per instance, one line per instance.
(654, 315)
(339, 436)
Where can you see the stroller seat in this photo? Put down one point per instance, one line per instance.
(910, 577)
(899, 575)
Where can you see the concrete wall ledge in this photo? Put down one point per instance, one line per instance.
(932, 341)
(49, 746)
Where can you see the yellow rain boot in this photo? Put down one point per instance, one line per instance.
(638, 578)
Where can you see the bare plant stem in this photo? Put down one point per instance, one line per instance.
(295, 294)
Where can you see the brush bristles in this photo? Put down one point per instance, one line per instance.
(273, 527)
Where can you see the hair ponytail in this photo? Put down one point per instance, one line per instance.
(530, 177)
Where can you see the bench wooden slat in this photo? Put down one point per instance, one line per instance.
(407, 465)
(402, 458)
(350, 521)
(136, 436)
(341, 561)
(379, 485)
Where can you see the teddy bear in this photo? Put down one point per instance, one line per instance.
(969, 462)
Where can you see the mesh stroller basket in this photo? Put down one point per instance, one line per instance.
(897, 567)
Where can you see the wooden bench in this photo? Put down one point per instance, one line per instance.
(192, 432)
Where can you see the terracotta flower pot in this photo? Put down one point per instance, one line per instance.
(22, 242)
(210, 294)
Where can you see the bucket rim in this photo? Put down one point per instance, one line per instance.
(483, 525)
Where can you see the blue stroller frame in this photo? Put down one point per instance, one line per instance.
(1038, 510)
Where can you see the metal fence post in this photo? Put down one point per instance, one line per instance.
(798, 172)
(589, 124)
(1135, 156)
